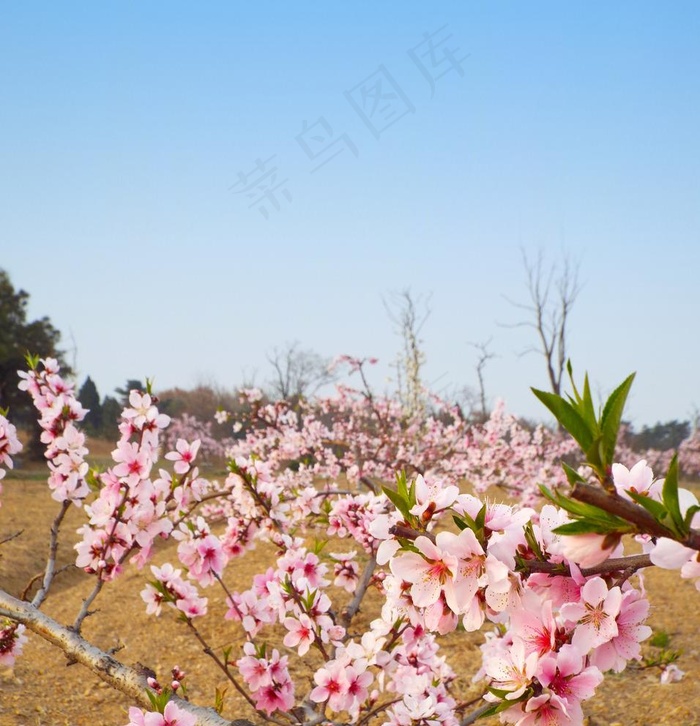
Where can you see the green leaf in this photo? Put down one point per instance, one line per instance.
(660, 639)
(412, 494)
(585, 526)
(319, 545)
(496, 708)
(461, 524)
(500, 692)
(152, 699)
(594, 516)
(570, 370)
(568, 417)
(572, 475)
(219, 699)
(669, 495)
(587, 409)
(32, 360)
(480, 520)
(398, 501)
(532, 542)
(610, 420)
(656, 509)
(690, 514)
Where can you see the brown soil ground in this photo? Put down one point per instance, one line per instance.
(42, 690)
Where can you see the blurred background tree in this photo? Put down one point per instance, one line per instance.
(17, 337)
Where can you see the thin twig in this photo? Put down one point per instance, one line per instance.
(400, 530)
(84, 610)
(50, 570)
(631, 563)
(377, 710)
(474, 716)
(227, 672)
(349, 612)
(10, 537)
(617, 564)
(39, 575)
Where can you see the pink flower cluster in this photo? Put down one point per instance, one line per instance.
(132, 507)
(12, 639)
(591, 549)
(169, 587)
(557, 631)
(561, 632)
(172, 715)
(200, 552)
(664, 552)
(65, 443)
(190, 428)
(268, 679)
(368, 437)
(9, 446)
(688, 455)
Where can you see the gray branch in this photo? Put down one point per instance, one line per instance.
(121, 677)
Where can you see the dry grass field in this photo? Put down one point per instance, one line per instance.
(41, 690)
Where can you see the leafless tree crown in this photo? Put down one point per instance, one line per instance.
(553, 290)
(408, 313)
(297, 373)
(483, 357)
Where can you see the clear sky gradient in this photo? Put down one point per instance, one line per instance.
(185, 186)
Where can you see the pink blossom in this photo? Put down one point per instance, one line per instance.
(432, 497)
(12, 640)
(513, 670)
(590, 549)
(133, 462)
(671, 674)
(275, 697)
(301, 633)
(254, 671)
(184, 455)
(533, 622)
(564, 674)
(625, 646)
(596, 615)
(639, 479)
(136, 717)
(346, 571)
(172, 715)
(332, 686)
(548, 709)
(452, 565)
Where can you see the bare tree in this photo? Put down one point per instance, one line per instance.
(553, 291)
(484, 356)
(297, 373)
(408, 313)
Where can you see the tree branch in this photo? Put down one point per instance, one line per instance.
(631, 512)
(119, 676)
(50, 570)
(349, 612)
(615, 564)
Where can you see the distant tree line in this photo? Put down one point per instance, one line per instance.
(661, 436)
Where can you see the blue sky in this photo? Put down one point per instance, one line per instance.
(133, 134)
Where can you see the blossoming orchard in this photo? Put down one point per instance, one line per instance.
(548, 577)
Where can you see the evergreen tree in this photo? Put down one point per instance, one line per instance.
(18, 336)
(111, 410)
(90, 399)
